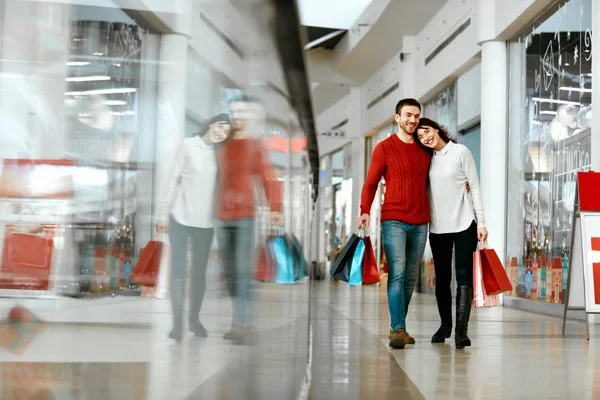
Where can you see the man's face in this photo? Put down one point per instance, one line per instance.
(239, 112)
(408, 119)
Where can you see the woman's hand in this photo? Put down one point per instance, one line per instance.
(162, 226)
(482, 234)
(364, 221)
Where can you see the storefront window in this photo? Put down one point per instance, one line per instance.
(549, 142)
(444, 109)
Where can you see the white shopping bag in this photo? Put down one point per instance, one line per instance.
(480, 297)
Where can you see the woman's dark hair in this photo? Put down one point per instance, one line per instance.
(204, 127)
(432, 124)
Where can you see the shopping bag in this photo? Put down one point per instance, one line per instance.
(265, 267)
(356, 270)
(300, 263)
(147, 269)
(27, 257)
(480, 297)
(284, 260)
(370, 270)
(495, 279)
(343, 263)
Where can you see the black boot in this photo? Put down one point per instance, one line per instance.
(464, 298)
(443, 296)
(177, 300)
(197, 288)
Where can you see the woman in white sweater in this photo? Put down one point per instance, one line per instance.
(187, 214)
(457, 222)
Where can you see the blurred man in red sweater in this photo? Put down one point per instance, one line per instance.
(405, 214)
(241, 162)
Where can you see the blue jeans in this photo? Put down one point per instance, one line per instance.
(404, 246)
(236, 245)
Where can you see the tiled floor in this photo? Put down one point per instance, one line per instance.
(118, 349)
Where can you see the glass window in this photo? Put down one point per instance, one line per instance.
(549, 142)
(472, 139)
(444, 110)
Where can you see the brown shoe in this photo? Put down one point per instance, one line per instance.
(409, 339)
(397, 339)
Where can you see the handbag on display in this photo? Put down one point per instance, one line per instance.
(495, 279)
(27, 257)
(480, 297)
(370, 268)
(343, 263)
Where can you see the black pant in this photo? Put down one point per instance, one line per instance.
(464, 244)
(201, 241)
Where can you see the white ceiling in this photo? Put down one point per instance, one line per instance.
(338, 14)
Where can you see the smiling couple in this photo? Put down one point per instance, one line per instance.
(431, 185)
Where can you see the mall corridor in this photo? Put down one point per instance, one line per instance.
(299, 199)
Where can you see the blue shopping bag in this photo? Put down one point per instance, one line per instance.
(284, 260)
(356, 271)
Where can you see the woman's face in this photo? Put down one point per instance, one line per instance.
(428, 136)
(218, 132)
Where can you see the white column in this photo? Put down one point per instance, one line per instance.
(494, 140)
(355, 131)
(596, 86)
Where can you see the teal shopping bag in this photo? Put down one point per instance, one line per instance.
(284, 260)
(356, 271)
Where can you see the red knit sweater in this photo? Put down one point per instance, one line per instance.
(240, 162)
(405, 167)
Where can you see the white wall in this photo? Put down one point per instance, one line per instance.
(468, 94)
(385, 78)
(456, 58)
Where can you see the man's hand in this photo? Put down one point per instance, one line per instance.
(468, 187)
(482, 234)
(162, 226)
(277, 218)
(364, 221)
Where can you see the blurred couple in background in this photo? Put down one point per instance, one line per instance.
(212, 186)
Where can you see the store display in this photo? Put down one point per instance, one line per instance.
(549, 142)
(27, 257)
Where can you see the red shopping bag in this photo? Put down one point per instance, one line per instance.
(370, 269)
(265, 267)
(480, 297)
(147, 269)
(26, 257)
(495, 279)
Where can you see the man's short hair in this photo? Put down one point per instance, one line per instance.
(244, 98)
(407, 102)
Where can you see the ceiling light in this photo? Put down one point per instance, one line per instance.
(124, 113)
(87, 78)
(102, 91)
(542, 100)
(77, 63)
(575, 89)
(97, 54)
(548, 112)
(115, 103)
(117, 64)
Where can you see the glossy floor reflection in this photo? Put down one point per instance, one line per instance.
(118, 349)
(515, 354)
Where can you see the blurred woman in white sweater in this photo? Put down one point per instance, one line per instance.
(457, 223)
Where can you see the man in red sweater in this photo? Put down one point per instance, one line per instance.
(404, 165)
(241, 162)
